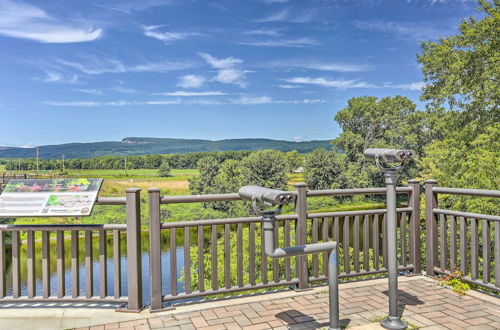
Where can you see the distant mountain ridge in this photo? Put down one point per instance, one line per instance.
(147, 146)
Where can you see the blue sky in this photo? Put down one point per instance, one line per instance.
(82, 71)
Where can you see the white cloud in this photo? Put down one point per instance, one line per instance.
(298, 138)
(249, 100)
(275, 1)
(186, 93)
(124, 90)
(88, 103)
(130, 6)
(264, 32)
(298, 42)
(325, 82)
(89, 91)
(25, 21)
(191, 81)
(285, 15)
(58, 77)
(346, 84)
(319, 66)
(166, 37)
(405, 30)
(243, 100)
(228, 69)
(289, 86)
(221, 63)
(93, 65)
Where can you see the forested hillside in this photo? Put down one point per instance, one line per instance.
(148, 146)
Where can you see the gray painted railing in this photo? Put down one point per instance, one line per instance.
(453, 238)
(303, 226)
(132, 230)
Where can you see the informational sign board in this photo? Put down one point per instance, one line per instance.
(49, 198)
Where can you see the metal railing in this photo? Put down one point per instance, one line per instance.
(132, 231)
(462, 240)
(238, 242)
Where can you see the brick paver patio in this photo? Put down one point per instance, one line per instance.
(423, 303)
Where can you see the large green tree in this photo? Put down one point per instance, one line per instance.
(324, 170)
(462, 73)
(369, 122)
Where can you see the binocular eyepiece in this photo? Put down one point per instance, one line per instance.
(266, 196)
(389, 155)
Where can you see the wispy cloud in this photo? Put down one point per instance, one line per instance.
(124, 90)
(89, 91)
(93, 65)
(228, 69)
(130, 6)
(319, 66)
(297, 42)
(242, 100)
(264, 32)
(186, 93)
(287, 15)
(167, 37)
(58, 77)
(25, 21)
(275, 1)
(191, 81)
(289, 86)
(404, 30)
(325, 82)
(347, 84)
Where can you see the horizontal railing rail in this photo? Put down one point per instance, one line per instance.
(462, 241)
(224, 256)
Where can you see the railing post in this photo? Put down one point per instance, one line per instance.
(154, 249)
(431, 227)
(301, 232)
(134, 278)
(414, 201)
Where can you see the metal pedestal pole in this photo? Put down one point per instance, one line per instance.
(393, 321)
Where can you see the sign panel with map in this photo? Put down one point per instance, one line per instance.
(49, 198)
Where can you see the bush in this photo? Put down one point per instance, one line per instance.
(164, 170)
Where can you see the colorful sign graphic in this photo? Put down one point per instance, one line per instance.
(49, 198)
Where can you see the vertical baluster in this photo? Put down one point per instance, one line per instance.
(288, 275)
(336, 230)
(324, 232)
(276, 269)
(356, 243)
(315, 266)
(239, 256)
(31, 265)
(213, 249)
(251, 253)
(187, 260)
(384, 239)
(173, 262)
(486, 251)
(103, 266)
(117, 264)
(453, 243)
(89, 267)
(46, 263)
(443, 238)
(201, 264)
(227, 256)
(3, 264)
(263, 263)
(61, 285)
(497, 254)
(16, 266)
(463, 246)
(366, 243)
(75, 274)
(402, 228)
(376, 242)
(347, 265)
(475, 249)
